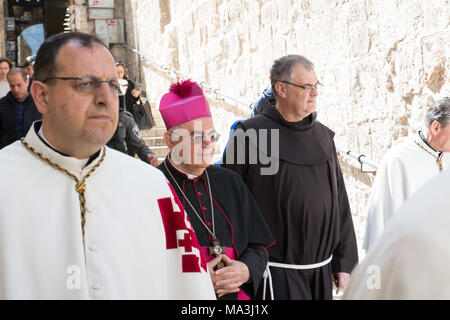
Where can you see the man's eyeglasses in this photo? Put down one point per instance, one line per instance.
(89, 83)
(306, 86)
(200, 137)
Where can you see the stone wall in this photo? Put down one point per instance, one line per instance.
(380, 61)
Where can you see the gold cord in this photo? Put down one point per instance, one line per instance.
(438, 158)
(80, 184)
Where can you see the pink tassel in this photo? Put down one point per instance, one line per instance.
(185, 88)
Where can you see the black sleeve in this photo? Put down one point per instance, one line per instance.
(134, 140)
(255, 258)
(233, 158)
(259, 236)
(345, 257)
(129, 97)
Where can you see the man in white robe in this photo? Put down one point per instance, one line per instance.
(79, 220)
(406, 167)
(412, 258)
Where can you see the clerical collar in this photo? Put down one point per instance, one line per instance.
(425, 141)
(301, 125)
(40, 134)
(422, 143)
(188, 175)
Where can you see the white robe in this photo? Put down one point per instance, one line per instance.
(404, 169)
(411, 260)
(126, 242)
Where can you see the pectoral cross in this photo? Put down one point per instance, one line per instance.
(216, 249)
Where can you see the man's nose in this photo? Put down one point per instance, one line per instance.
(104, 94)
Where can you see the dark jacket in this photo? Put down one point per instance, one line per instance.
(127, 137)
(8, 118)
(127, 101)
(266, 99)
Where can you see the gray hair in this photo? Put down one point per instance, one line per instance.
(282, 68)
(20, 71)
(439, 111)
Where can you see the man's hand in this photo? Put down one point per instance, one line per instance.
(152, 159)
(340, 280)
(230, 278)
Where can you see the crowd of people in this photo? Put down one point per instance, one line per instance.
(272, 221)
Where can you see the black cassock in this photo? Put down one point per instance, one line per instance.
(305, 203)
(239, 224)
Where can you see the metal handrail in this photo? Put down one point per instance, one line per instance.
(361, 158)
(216, 91)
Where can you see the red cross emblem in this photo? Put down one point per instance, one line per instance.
(179, 234)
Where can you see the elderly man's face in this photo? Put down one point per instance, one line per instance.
(302, 101)
(77, 120)
(196, 146)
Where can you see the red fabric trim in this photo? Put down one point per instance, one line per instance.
(174, 221)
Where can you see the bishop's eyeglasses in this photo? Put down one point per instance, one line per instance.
(197, 136)
(89, 83)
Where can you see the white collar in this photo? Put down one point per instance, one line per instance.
(76, 166)
(189, 175)
(418, 139)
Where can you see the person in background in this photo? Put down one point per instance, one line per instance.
(5, 66)
(127, 137)
(128, 95)
(17, 109)
(267, 99)
(407, 166)
(28, 66)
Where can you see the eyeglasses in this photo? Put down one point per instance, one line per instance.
(200, 137)
(89, 83)
(306, 86)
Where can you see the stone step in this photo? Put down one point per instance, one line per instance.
(160, 151)
(153, 132)
(159, 122)
(154, 141)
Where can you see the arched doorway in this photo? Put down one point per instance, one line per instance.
(29, 23)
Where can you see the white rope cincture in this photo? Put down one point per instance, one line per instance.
(268, 275)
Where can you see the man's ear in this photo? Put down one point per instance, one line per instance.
(39, 91)
(168, 140)
(280, 89)
(434, 128)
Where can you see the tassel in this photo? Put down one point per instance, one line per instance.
(186, 88)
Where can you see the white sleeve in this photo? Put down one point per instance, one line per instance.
(388, 194)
